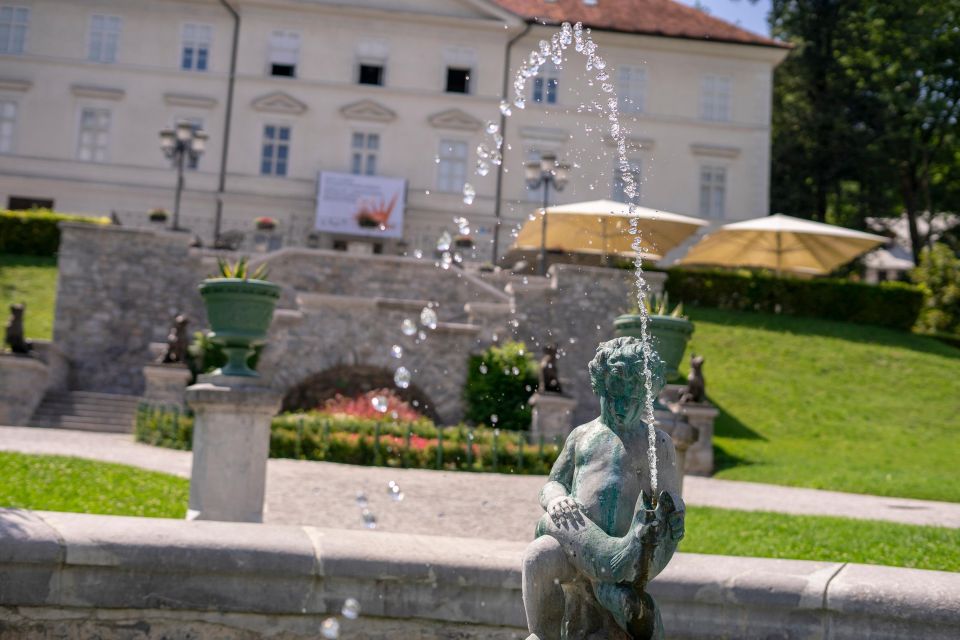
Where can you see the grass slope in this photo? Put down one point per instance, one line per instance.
(775, 535)
(831, 405)
(59, 483)
(31, 280)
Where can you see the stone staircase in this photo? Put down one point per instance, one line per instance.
(86, 411)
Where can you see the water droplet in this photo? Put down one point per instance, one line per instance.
(599, 63)
(494, 418)
(483, 369)
(496, 158)
(492, 127)
(469, 193)
(443, 242)
(457, 258)
(482, 168)
(361, 499)
(421, 336)
(515, 371)
(408, 327)
(519, 102)
(394, 491)
(369, 520)
(607, 87)
(418, 254)
(428, 318)
(396, 351)
(446, 259)
(379, 403)
(401, 377)
(505, 108)
(330, 629)
(532, 217)
(351, 609)
(573, 341)
(483, 151)
(436, 159)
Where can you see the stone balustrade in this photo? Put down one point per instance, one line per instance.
(81, 576)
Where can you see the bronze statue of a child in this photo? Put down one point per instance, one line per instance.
(601, 537)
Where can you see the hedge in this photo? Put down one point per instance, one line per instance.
(36, 232)
(350, 440)
(889, 304)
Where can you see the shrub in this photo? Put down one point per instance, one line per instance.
(889, 304)
(36, 232)
(352, 440)
(499, 384)
(938, 276)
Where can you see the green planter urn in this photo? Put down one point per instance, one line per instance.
(239, 312)
(670, 336)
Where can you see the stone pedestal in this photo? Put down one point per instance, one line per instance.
(231, 443)
(165, 384)
(552, 417)
(701, 416)
(683, 435)
(23, 381)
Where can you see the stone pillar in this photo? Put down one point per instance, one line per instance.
(701, 416)
(552, 416)
(231, 443)
(165, 384)
(23, 381)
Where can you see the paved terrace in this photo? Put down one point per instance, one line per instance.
(488, 505)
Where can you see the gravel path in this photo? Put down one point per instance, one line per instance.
(485, 505)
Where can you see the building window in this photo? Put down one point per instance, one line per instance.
(284, 53)
(371, 74)
(715, 98)
(452, 166)
(619, 191)
(545, 85)
(8, 124)
(631, 88)
(192, 162)
(713, 190)
(276, 150)
(458, 80)
(13, 28)
(195, 52)
(104, 38)
(364, 148)
(94, 139)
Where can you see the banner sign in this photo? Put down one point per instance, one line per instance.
(360, 205)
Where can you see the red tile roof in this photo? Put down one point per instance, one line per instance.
(648, 17)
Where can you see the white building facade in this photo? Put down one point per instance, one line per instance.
(394, 88)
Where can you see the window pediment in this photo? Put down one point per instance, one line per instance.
(715, 150)
(279, 102)
(367, 110)
(187, 100)
(454, 119)
(101, 93)
(15, 84)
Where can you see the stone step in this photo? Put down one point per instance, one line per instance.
(69, 422)
(104, 399)
(83, 410)
(86, 411)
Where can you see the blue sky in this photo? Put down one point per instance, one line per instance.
(749, 15)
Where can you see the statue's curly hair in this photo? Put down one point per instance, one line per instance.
(622, 359)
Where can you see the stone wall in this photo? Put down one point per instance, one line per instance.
(119, 289)
(78, 576)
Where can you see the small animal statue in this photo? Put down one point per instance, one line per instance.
(14, 336)
(177, 342)
(696, 389)
(549, 379)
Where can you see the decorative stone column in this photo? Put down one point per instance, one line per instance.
(683, 435)
(231, 443)
(165, 384)
(552, 416)
(23, 381)
(701, 416)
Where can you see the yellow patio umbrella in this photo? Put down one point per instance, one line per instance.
(602, 227)
(781, 243)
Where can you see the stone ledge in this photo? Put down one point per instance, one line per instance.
(57, 565)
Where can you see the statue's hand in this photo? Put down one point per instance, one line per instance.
(563, 507)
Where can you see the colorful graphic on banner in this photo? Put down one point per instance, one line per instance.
(360, 205)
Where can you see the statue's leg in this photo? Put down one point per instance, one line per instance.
(545, 567)
(635, 611)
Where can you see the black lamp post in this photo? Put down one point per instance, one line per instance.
(185, 141)
(545, 173)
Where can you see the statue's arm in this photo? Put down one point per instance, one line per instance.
(561, 474)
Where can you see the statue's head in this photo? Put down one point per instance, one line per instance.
(616, 375)
(16, 309)
(550, 349)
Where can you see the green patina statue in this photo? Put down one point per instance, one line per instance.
(603, 537)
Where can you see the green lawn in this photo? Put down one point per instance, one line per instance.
(58, 483)
(774, 535)
(831, 405)
(31, 280)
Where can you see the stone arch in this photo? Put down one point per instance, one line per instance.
(352, 380)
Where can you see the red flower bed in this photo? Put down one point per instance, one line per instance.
(397, 409)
